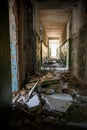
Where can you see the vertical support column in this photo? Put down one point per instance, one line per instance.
(13, 43)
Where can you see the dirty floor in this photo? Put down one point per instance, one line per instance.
(57, 101)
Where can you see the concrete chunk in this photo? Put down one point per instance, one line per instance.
(56, 104)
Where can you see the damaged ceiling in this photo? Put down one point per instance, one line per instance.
(54, 15)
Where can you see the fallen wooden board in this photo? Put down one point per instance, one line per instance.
(31, 91)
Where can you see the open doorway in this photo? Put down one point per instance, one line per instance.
(57, 56)
(54, 48)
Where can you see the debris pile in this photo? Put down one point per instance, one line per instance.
(53, 63)
(27, 97)
(52, 97)
(49, 84)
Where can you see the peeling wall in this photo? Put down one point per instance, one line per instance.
(23, 41)
(64, 36)
(82, 53)
(13, 45)
(32, 53)
(64, 47)
(79, 42)
(5, 63)
(36, 20)
(44, 53)
(38, 54)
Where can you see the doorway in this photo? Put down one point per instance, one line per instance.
(54, 48)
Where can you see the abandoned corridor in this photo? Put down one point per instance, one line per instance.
(40, 37)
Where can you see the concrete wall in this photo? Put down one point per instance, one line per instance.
(23, 42)
(64, 48)
(17, 21)
(41, 50)
(79, 42)
(36, 20)
(44, 52)
(38, 53)
(5, 63)
(64, 35)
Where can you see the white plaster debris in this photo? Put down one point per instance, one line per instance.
(15, 98)
(33, 102)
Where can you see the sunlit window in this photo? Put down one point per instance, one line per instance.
(53, 50)
(53, 46)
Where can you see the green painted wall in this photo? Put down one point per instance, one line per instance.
(5, 65)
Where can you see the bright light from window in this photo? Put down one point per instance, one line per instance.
(53, 50)
(53, 45)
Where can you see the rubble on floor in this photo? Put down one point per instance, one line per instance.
(53, 98)
(53, 63)
(57, 102)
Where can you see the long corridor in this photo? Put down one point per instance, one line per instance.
(43, 64)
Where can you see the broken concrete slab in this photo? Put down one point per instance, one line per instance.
(52, 103)
(62, 96)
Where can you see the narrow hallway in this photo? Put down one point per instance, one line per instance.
(43, 53)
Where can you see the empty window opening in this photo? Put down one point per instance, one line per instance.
(53, 48)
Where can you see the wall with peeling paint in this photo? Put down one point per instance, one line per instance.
(38, 54)
(44, 52)
(63, 36)
(5, 64)
(22, 42)
(13, 45)
(22, 35)
(79, 42)
(36, 19)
